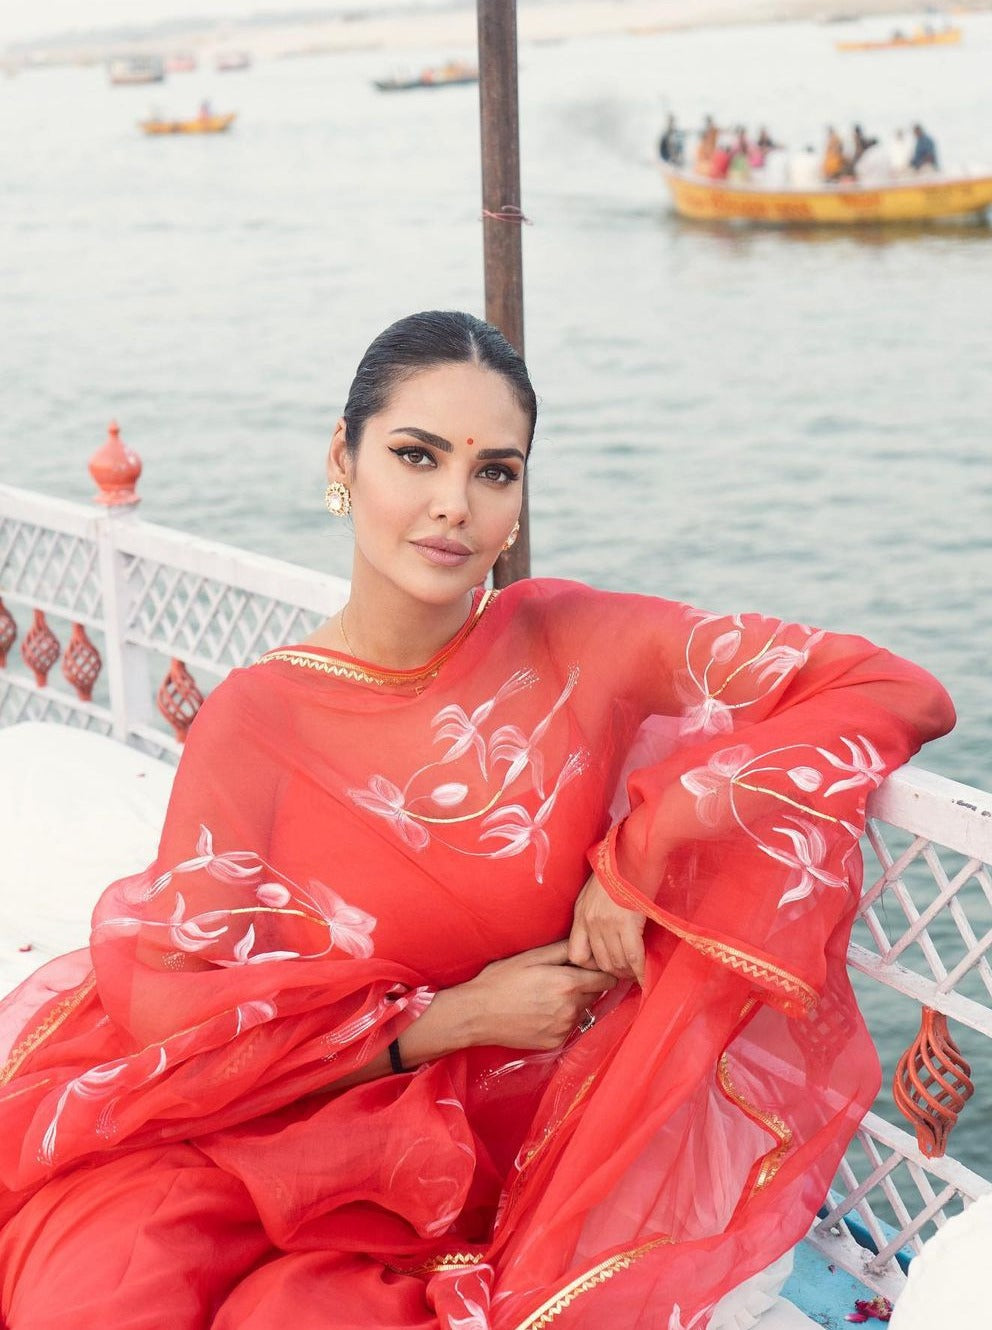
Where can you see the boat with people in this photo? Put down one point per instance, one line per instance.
(452, 74)
(228, 62)
(128, 69)
(922, 198)
(209, 123)
(900, 41)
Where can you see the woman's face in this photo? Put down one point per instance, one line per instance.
(437, 482)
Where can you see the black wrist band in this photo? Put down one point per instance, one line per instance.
(395, 1061)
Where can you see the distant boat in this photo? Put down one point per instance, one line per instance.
(899, 40)
(226, 62)
(848, 203)
(181, 62)
(122, 69)
(200, 124)
(439, 76)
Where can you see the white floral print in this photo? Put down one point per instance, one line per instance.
(518, 825)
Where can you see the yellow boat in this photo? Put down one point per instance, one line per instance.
(924, 198)
(898, 40)
(200, 124)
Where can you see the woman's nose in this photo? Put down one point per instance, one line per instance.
(450, 501)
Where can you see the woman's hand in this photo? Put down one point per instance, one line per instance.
(606, 935)
(534, 1000)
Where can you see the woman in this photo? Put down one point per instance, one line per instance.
(368, 1045)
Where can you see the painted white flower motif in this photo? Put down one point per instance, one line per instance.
(675, 1321)
(806, 779)
(509, 744)
(712, 784)
(231, 867)
(256, 1012)
(388, 801)
(865, 767)
(450, 795)
(464, 731)
(350, 928)
(97, 1083)
(478, 1315)
(726, 646)
(809, 849)
(190, 934)
(710, 716)
(515, 825)
(781, 660)
(272, 894)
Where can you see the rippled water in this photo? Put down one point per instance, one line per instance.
(794, 422)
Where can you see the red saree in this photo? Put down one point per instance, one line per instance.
(341, 843)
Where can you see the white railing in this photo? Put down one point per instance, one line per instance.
(149, 596)
(146, 596)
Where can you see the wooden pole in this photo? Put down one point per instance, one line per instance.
(501, 211)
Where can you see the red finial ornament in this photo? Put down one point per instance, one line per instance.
(116, 469)
(179, 699)
(81, 663)
(8, 633)
(932, 1083)
(40, 648)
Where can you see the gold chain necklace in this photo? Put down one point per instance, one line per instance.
(344, 634)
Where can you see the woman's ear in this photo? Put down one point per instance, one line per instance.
(338, 460)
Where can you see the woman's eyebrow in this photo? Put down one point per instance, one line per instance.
(425, 436)
(492, 454)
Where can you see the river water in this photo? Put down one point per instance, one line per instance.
(793, 422)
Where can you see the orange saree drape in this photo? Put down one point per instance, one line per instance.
(343, 842)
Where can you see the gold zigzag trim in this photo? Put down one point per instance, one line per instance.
(457, 1260)
(312, 660)
(771, 1122)
(743, 962)
(599, 1274)
(59, 1013)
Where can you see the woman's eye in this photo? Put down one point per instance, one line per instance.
(501, 475)
(414, 456)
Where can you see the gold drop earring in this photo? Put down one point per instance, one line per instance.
(511, 539)
(337, 499)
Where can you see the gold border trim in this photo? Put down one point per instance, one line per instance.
(55, 1018)
(457, 1260)
(423, 674)
(771, 1122)
(599, 1274)
(742, 961)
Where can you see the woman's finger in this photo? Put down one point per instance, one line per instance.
(579, 951)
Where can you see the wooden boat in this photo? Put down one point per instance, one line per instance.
(441, 76)
(900, 41)
(181, 62)
(847, 203)
(200, 124)
(127, 69)
(227, 62)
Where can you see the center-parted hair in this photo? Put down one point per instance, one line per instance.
(423, 341)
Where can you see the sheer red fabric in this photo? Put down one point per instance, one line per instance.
(340, 844)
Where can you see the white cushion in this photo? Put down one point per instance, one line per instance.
(948, 1280)
(77, 811)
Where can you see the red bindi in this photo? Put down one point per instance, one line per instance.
(470, 442)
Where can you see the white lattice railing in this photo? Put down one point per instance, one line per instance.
(925, 932)
(148, 595)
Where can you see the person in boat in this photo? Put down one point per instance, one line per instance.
(860, 144)
(206, 111)
(924, 151)
(765, 141)
(706, 148)
(491, 969)
(835, 165)
(671, 143)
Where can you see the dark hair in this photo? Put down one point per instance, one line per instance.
(422, 341)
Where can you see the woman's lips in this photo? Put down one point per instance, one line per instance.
(446, 553)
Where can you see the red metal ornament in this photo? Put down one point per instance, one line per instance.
(116, 469)
(40, 648)
(179, 699)
(81, 663)
(8, 633)
(932, 1083)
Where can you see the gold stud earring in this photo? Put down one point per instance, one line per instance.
(511, 539)
(337, 499)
